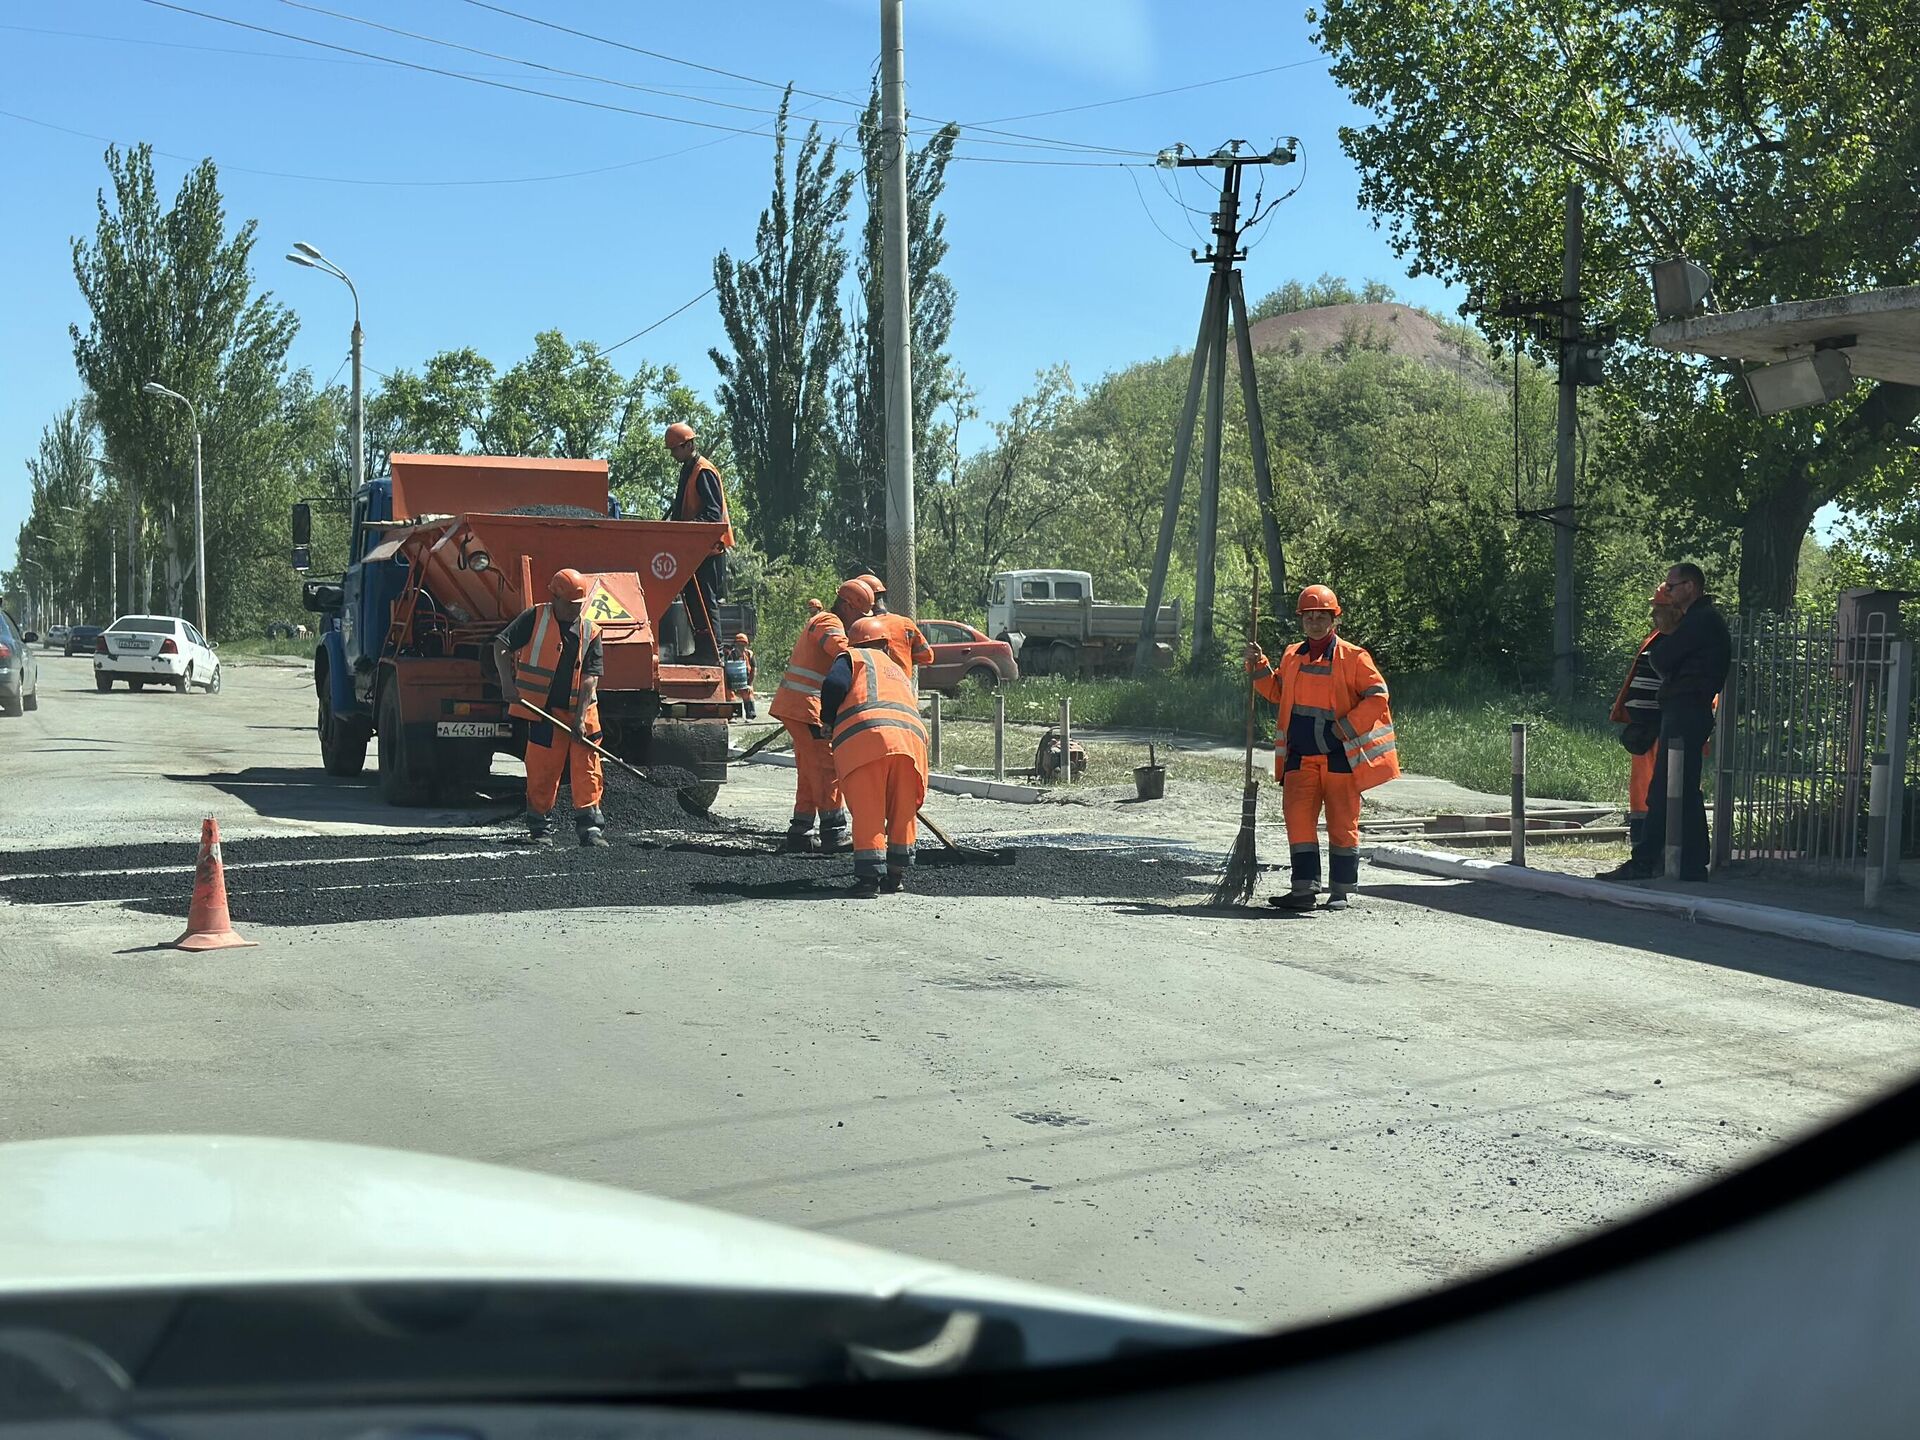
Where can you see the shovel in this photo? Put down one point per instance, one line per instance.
(1003, 855)
(595, 746)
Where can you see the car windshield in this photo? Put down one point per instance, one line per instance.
(1419, 779)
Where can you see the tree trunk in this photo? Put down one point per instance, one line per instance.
(1771, 533)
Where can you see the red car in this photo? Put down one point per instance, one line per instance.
(962, 653)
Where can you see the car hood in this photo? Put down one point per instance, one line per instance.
(126, 1213)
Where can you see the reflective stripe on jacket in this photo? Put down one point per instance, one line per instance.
(689, 506)
(822, 641)
(879, 717)
(535, 663)
(1641, 685)
(1363, 722)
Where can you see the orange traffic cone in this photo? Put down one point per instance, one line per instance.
(209, 927)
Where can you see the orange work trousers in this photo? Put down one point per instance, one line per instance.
(550, 752)
(1303, 792)
(883, 795)
(816, 793)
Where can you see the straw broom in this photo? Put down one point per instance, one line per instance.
(1243, 865)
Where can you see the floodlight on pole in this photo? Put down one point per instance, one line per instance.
(1816, 379)
(1680, 287)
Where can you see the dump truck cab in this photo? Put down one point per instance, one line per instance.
(441, 555)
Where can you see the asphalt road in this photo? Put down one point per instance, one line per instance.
(1063, 1071)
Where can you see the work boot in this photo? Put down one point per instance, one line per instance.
(894, 883)
(592, 839)
(590, 824)
(864, 887)
(539, 828)
(1339, 898)
(799, 842)
(836, 834)
(1632, 870)
(1292, 900)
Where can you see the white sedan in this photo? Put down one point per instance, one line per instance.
(156, 649)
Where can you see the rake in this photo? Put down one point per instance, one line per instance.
(1235, 886)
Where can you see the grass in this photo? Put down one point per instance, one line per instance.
(259, 645)
(1454, 725)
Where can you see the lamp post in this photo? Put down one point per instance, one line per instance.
(304, 254)
(29, 560)
(154, 387)
(51, 597)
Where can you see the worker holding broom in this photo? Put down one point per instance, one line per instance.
(796, 705)
(1333, 740)
(872, 712)
(550, 657)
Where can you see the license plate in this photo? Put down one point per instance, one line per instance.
(128, 647)
(473, 730)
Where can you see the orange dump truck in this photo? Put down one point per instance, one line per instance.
(441, 558)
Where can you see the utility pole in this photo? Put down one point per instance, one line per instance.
(1225, 306)
(1564, 514)
(897, 313)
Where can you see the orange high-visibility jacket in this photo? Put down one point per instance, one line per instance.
(1619, 714)
(535, 662)
(822, 641)
(1363, 722)
(688, 507)
(906, 646)
(879, 717)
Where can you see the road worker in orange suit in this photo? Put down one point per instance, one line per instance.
(796, 705)
(906, 646)
(740, 672)
(1334, 739)
(1637, 708)
(550, 655)
(701, 496)
(872, 715)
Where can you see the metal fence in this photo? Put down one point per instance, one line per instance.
(1808, 709)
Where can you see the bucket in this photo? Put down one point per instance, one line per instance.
(1150, 781)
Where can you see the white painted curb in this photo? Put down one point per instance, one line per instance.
(1766, 919)
(951, 784)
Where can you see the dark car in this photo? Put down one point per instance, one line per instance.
(19, 668)
(962, 653)
(82, 638)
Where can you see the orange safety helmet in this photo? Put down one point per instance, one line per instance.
(740, 639)
(1318, 597)
(679, 433)
(872, 582)
(867, 632)
(855, 595)
(814, 607)
(569, 585)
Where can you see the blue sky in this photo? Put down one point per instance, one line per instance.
(1053, 263)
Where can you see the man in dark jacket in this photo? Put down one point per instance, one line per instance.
(701, 496)
(1693, 663)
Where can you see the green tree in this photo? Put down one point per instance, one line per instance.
(785, 331)
(858, 514)
(1774, 143)
(171, 299)
(1291, 297)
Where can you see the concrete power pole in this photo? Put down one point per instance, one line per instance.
(1564, 526)
(897, 316)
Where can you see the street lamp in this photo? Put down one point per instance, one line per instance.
(304, 254)
(154, 387)
(29, 560)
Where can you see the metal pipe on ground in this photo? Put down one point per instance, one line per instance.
(1519, 820)
(1878, 796)
(1676, 807)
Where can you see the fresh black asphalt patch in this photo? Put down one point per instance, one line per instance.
(341, 879)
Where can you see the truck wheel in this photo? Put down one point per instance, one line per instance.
(1064, 661)
(403, 781)
(343, 745)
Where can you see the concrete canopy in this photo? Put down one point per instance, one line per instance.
(1884, 325)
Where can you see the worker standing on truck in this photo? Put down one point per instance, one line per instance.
(870, 710)
(739, 668)
(701, 496)
(1334, 739)
(906, 646)
(796, 705)
(550, 656)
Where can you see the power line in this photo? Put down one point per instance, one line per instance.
(1149, 94)
(779, 85)
(382, 184)
(1140, 195)
(548, 94)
